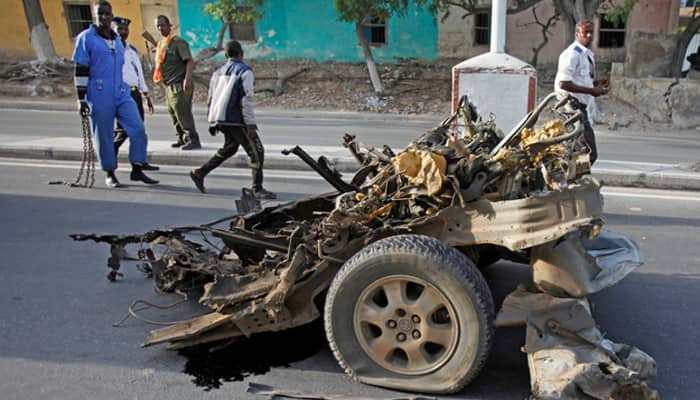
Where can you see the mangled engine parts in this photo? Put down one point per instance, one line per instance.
(395, 254)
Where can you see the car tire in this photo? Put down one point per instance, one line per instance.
(410, 312)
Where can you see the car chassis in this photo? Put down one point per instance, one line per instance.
(392, 260)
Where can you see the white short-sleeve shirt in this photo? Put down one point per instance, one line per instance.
(133, 71)
(577, 65)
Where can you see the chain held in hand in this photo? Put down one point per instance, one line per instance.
(87, 166)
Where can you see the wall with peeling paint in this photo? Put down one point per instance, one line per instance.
(310, 29)
(14, 33)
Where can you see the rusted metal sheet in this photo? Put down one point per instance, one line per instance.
(568, 357)
(517, 224)
(577, 267)
(188, 328)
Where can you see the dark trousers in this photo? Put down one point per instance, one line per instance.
(180, 110)
(235, 136)
(589, 137)
(120, 135)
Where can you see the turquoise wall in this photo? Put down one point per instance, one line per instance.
(310, 29)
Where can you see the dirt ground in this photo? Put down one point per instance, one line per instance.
(411, 87)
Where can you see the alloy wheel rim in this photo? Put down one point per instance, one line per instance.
(406, 325)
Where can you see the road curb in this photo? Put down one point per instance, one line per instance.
(609, 177)
(654, 180)
(261, 112)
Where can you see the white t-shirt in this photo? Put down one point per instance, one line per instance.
(577, 65)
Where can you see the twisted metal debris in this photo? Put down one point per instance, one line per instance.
(526, 196)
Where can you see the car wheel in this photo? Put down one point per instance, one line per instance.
(410, 312)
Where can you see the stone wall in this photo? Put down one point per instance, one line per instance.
(666, 100)
(649, 55)
(685, 104)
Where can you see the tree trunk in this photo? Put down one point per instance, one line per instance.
(544, 29)
(682, 45)
(222, 31)
(371, 66)
(39, 32)
(574, 11)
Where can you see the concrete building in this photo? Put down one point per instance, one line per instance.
(465, 37)
(66, 18)
(311, 29)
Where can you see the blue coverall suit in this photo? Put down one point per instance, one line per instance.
(109, 97)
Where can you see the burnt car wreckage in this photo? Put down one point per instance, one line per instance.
(395, 255)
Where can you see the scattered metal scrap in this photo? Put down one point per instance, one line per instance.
(568, 356)
(395, 252)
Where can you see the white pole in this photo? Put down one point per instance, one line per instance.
(498, 26)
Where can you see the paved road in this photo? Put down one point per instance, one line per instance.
(325, 129)
(658, 160)
(57, 308)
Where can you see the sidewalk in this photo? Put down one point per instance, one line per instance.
(611, 173)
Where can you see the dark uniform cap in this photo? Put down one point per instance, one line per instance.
(121, 21)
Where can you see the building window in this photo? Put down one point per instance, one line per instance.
(242, 31)
(609, 34)
(482, 25)
(375, 31)
(78, 16)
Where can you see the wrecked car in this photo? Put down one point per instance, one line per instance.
(391, 260)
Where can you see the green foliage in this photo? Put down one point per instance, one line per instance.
(235, 10)
(358, 10)
(618, 15)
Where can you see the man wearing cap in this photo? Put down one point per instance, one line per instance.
(132, 73)
(575, 76)
(103, 95)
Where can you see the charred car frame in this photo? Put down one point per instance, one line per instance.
(392, 260)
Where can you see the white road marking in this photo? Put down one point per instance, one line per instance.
(312, 176)
(690, 196)
(639, 163)
(243, 172)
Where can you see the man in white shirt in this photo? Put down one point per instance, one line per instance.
(132, 73)
(575, 76)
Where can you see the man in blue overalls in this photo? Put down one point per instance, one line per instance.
(102, 95)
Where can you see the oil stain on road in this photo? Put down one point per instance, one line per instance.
(211, 365)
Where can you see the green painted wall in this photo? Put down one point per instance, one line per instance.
(310, 29)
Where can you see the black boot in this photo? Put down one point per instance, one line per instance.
(258, 190)
(111, 180)
(197, 175)
(262, 194)
(191, 146)
(138, 175)
(198, 179)
(149, 167)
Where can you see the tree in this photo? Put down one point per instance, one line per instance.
(231, 12)
(570, 11)
(360, 12)
(39, 32)
(544, 30)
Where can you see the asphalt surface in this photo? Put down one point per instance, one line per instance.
(57, 309)
(51, 130)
